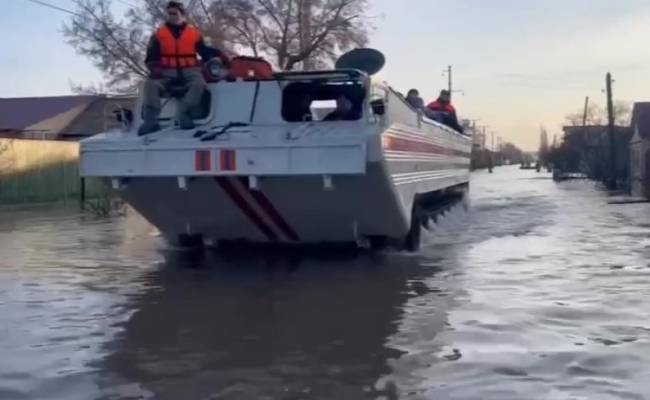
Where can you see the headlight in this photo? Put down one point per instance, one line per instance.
(217, 69)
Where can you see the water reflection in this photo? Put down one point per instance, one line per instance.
(256, 327)
(94, 308)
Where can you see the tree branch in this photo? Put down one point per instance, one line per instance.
(271, 12)
(125, 53)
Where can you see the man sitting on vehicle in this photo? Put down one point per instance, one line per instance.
(344, 110)
(414, 99)
(172, 61)
(443, 111)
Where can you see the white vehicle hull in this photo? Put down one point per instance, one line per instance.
(272, 182)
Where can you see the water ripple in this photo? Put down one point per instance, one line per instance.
(537, 291)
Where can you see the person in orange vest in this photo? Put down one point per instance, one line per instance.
(443, 111)
(172, 58)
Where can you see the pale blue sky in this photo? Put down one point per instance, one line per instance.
(520, 63)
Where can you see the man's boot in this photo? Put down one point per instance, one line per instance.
(185, 119)
(150, 124)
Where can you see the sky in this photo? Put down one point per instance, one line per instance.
(519, 64)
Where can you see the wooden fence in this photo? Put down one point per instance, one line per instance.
(35, 171)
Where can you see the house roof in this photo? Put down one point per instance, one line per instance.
(641, 118)
(21, 113)
(97, 117)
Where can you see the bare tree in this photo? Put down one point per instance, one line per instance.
(597, 115)
(543, 144)
(511, 152)
(292, 32)
(622, 113)
(309, 33)
(115, 46)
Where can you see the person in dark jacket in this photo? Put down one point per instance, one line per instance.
(344, 110)
(414, 99)
(172, 59)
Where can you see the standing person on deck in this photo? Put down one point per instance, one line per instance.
(172, 59)
(443, 106)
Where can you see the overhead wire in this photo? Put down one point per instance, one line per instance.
(133, 64)
(53, 6)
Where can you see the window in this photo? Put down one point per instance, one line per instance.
(323, 101)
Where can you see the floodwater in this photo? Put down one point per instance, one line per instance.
(537, 290)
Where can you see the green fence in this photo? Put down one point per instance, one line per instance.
(36, 171)
(56, 182)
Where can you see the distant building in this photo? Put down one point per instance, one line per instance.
(60, 117)
(640, 151)
(480, 156)
(478, 141)
(588, 150)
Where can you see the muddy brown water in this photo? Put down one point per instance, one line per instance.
(537, 291)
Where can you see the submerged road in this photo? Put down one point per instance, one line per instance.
(538, 290)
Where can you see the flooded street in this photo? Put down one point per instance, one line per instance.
(538, 290)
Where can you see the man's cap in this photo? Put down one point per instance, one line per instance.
(177, 5)
(445, 92)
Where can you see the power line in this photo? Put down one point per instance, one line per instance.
(58, 8)
(52, 6)
(129, 58)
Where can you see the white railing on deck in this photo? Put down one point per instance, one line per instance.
(399, 111)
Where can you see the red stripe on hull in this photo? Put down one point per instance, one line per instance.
(237, 198)
(403, 144)
(271, 211)
(228, 160)
(202, 160)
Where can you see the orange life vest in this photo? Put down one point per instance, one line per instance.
(181, 52)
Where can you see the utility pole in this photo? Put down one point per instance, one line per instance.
(584, 118)
(484, 137)
(612, 143)
(500, 150)
(450, 87)
(473, 126)
(492, 155)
